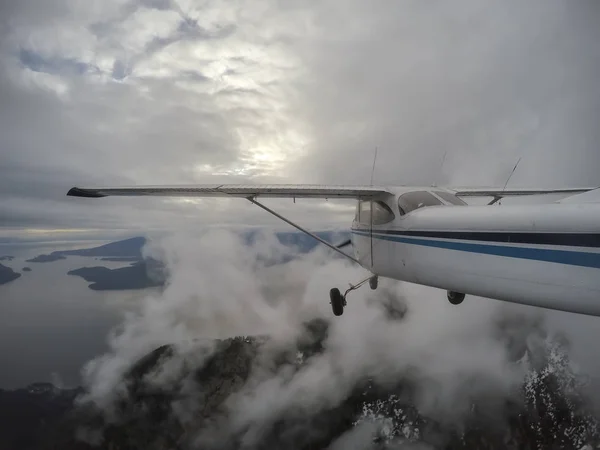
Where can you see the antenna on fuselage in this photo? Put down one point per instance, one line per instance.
(507, 180)
(441, 168)
(373, 169)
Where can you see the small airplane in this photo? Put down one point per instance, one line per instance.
(545, 255)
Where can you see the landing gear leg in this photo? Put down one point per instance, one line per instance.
(338, 301)
(456, 298)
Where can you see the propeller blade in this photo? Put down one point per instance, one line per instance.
(344, 244)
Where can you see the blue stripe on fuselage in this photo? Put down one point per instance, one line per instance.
(574, 258)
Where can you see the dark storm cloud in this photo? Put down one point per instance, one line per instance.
(158, 92)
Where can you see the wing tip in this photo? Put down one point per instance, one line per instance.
(87, 193)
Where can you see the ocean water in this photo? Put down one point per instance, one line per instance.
(51, 323)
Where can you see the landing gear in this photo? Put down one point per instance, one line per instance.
(373, 282)
(338, 301)
(456, 298)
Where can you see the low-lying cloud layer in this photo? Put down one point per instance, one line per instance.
(219, 288)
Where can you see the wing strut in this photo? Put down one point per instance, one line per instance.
(371, 231)
(322, 241)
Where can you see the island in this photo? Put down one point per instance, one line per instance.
(46, 258)
(139, 275)
(127, 248)
(6, 258)
(124, 250)
(26, 269)
(130, 250)
(120, 258)
(7, 274)
(145, 273)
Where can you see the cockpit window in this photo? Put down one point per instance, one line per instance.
(414, 200)
(382, 213)
(450, 198)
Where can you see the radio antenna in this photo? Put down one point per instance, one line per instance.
(441, 168)
(373, 170)
(511, 174)
(498, 198)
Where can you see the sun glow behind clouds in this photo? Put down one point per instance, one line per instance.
(249, 83)
(270, 154)
(215, 55)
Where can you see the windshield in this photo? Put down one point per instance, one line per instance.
(450, 198)
(414, 200)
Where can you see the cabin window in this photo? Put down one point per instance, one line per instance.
(414, 200)
(364, 212)
(382, 213)
(450, 198)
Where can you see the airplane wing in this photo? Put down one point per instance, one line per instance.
(499, 193)
(235, 190)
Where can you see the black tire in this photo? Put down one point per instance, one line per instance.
(373, 282)
(337, 301)
(456, 298)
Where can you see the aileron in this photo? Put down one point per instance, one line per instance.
(495, 192)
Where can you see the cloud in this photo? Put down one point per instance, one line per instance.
(218, 288)
(158, 92)
(212, 291)
(137, 93)
(38, 63)
(484, 84)
(165, 92)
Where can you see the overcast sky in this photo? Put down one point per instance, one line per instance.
(166, 91)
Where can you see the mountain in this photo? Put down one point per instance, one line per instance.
(27, 415)
(188, 409)
(7, 274)
(298, 241)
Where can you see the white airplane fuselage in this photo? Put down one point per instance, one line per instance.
(545, 255)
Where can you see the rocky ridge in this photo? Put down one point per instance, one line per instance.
(192, 410)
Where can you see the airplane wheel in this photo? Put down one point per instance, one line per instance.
(373, 282)
(456, 298)
(337, 301)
